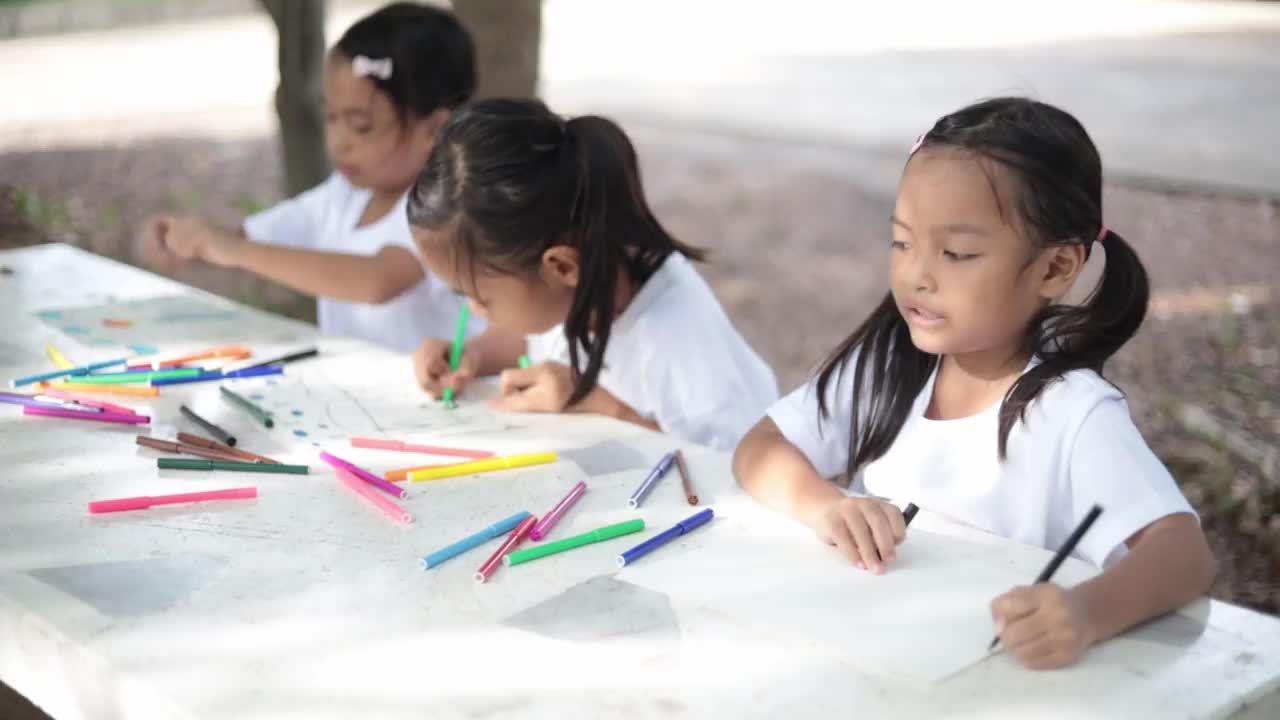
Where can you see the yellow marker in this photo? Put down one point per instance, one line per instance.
(485, 465)
(60, 361)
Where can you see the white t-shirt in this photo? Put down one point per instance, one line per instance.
(675, 358)
(324, 218)
(1077, 447)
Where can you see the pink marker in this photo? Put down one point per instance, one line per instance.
(398, 446)
(378, 500)
(549, 520)
(146, 501)
(82, 415)
(86, 400)
(364, 475)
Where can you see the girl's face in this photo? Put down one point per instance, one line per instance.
(526, 303)
(367, 140)
(964, 278)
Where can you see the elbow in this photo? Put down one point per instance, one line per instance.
(745, 456)
(1207, 569)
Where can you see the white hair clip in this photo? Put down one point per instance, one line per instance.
(362, 66)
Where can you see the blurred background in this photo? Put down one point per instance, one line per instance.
(772, 133)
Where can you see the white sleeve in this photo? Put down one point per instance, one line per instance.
(824, 440)
(714, 401)
(296, 222)
(1112, 466)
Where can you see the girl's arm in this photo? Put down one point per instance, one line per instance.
(1168, 565)
(371, 279)
(775, 472)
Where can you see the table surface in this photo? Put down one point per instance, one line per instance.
(304, 603)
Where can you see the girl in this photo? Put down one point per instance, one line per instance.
(543, 224)
(981, 398)
(390, 83)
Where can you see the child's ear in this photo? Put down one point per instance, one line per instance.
(435, 122)
(1063, 265)
(560, 266)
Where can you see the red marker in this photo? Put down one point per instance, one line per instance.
(513, 541)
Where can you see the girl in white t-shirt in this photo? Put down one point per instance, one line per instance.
(980, 397)
(390, 83)
(543, 224)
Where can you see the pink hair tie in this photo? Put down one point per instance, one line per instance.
(1102, 234)
(918, 143)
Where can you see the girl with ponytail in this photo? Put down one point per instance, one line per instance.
(543, 225)
(974, 392)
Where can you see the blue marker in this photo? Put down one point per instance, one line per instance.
(684, 527)
(54, 374)
(501, 527)
(219, 375)
(655, 475)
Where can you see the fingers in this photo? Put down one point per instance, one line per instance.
(882, 530)
(515, 379)
(431, 365)
(517, 401)
(868, 553)
(842, 538)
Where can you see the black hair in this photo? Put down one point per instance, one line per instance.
(432, 56)
(508, 179)
(1057, 175)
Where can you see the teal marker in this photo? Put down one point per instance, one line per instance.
(523, 362)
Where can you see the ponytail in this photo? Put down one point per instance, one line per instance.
(613, 229)
(1085, 336)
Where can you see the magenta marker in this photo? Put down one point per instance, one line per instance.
(553, 516)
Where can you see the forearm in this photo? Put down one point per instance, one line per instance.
(778, 475)
(496, 350)
(1167, 566)
(603, 402)
(373, 279)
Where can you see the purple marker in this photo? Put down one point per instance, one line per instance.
(553, 516)
(659, 470)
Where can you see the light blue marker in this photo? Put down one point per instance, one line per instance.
(54, 374)
(501, 527)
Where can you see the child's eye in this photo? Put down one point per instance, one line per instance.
(897, 245)
(958, 257)
(362, 129)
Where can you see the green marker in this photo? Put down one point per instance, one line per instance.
(258, 413)
(136, 378)
(523, 361)
(608, 532)
(455, 355)
(187, 464)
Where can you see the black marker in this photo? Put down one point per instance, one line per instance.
(1072, 540)
(222, 436)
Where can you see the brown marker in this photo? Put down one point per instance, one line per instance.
(239, 454)
(181, 449)
(685, 481)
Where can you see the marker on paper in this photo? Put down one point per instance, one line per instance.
(513, 541)
(146, 501)
(501, 527)
(655, 475)
(684, 527)
(548, 521)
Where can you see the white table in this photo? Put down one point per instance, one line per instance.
(305, 604)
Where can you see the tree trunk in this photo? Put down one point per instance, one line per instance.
(508, 37)
(299, 97)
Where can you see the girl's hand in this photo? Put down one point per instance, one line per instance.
(1043, 625)
(545, 387)
(866, 530)
(431, 367)
(155, 252)
(190, 237)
